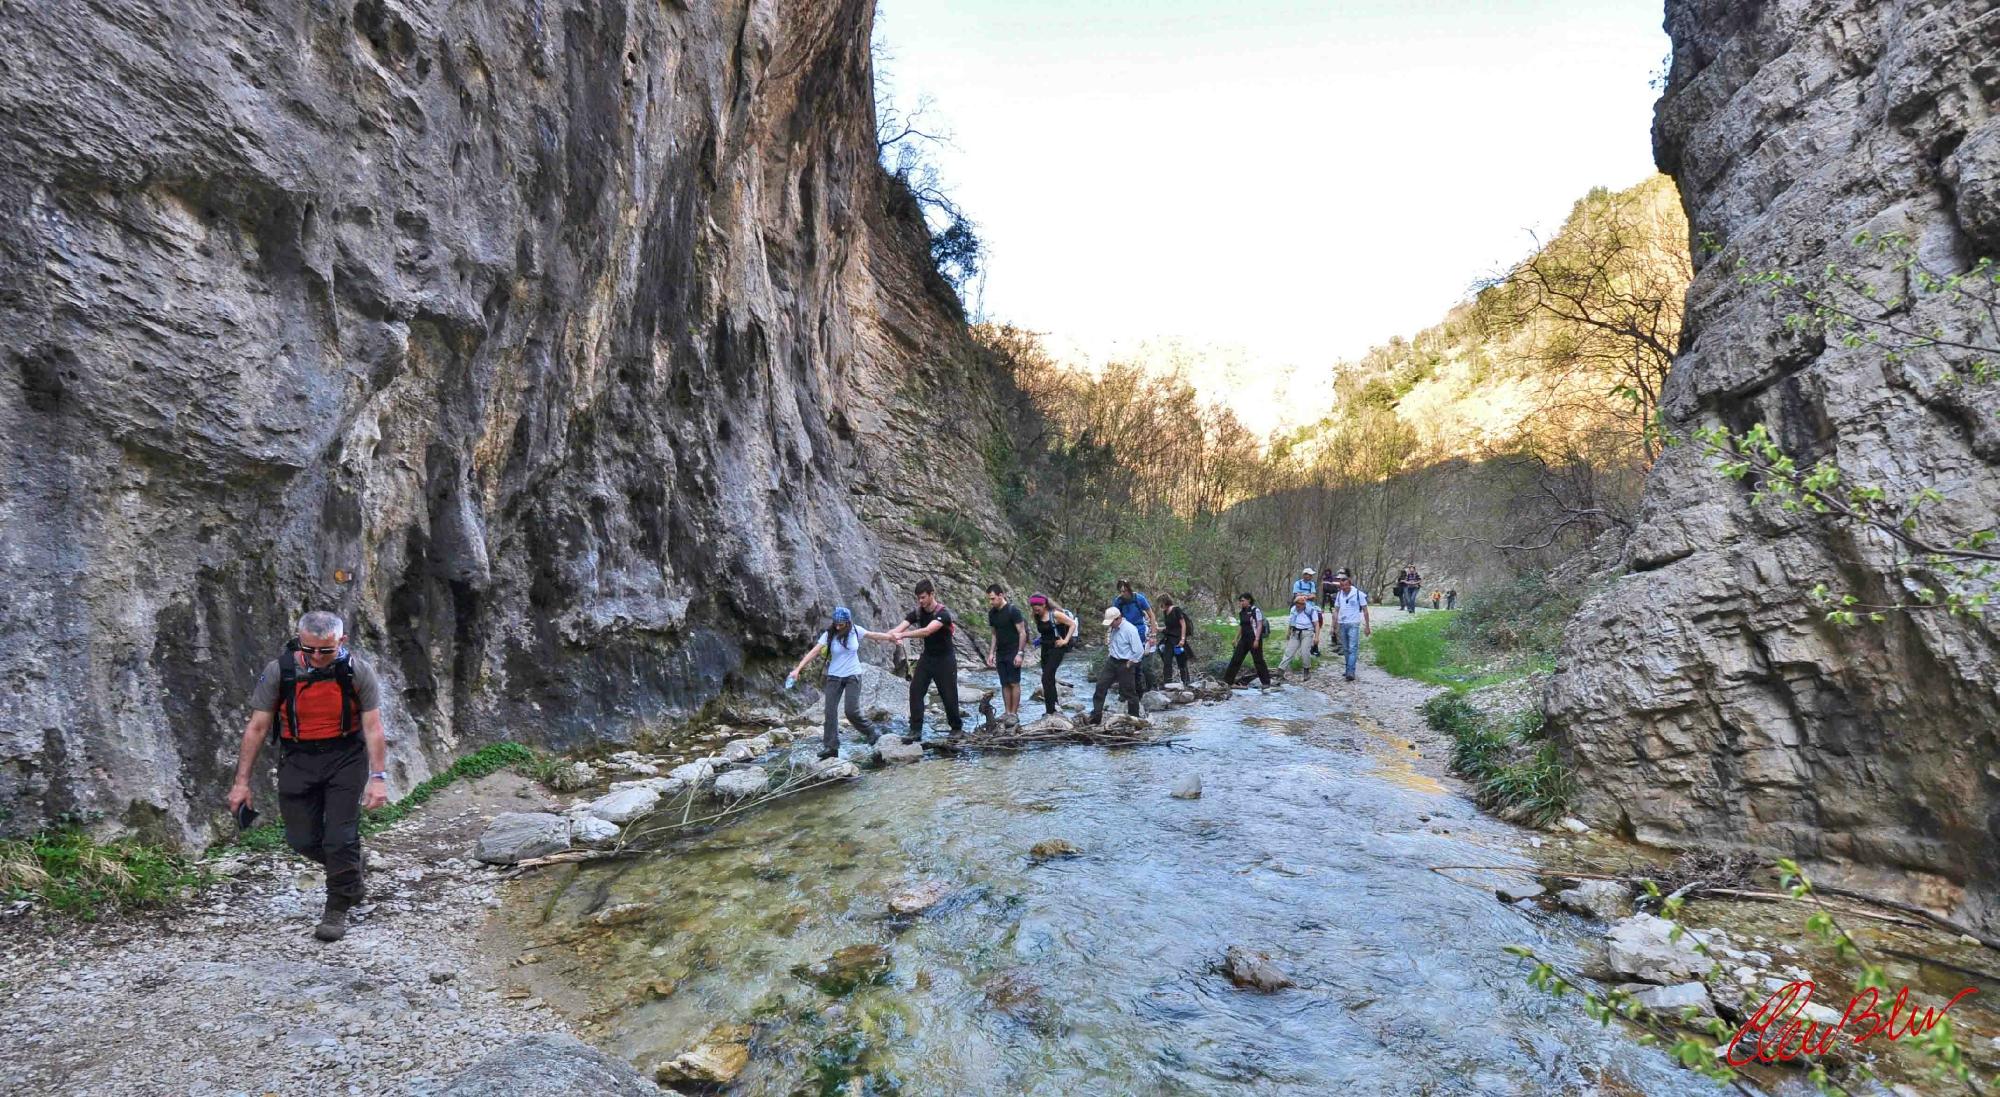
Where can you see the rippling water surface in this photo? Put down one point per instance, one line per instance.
(1097, 974)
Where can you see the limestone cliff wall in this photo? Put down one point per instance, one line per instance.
(1700, 697)
(577, 351)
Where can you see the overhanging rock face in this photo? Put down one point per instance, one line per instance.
(575, 352)
(1701, 699)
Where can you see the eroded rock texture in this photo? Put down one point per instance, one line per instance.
(1701, 698)
(576, 351)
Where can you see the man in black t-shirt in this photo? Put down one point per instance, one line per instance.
(1010, 639)
(934, 623)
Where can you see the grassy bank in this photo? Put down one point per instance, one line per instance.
(486, 760)
(1491, 656)
(80, 877)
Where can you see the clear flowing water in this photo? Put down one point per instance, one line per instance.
(1098, 974)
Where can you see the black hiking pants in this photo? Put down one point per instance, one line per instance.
(1168, 660)
(1052, 657)
(942, 669)
(319, 798)
(1121, 672)
(1246, 646)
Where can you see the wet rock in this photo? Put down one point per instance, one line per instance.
(844, 971)
(1049, 849)
(896, 751)
(1573, 825)
(1188, 787)
(1119, 721)
(1016, 993)
(1059, 725)
(835, 769)
(522, 835)
(918, 897)
(743, 750)
(1606, 900)
(549, 1066)
(1671, 1001)
(1253, 970)
(1182, 696)
(592, 832)
(623, 914)
(1642, 948)
(1514, 893)
(625, 804)
(695, 774)
(1156, 701)
(741, 784)
(716, 1061)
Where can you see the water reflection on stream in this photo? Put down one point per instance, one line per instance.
(1096, 975)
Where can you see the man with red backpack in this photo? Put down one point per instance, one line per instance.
(322, 705)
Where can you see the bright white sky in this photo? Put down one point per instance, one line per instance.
(1296, 180)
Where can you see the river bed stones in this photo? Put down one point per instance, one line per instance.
(623, 805)
(918, 898)
(1254, 970)
(1605, 900)
(591, 832)
(621, 914)
(1156, 701)
(847, 970)
(1188, 787)
(1673, 1001)
(1052, 849)
(1514, 893)
(696, 773)
(1642, 948)
(895, 750)
(516, 836)
(716, 1061)
(742, 784)
(835, 769)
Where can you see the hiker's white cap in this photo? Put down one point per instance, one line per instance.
(1305, 571)
(1111, 614)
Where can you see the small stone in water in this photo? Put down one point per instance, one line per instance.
(1188, 787)
(851, 967)
(1253, 970)
(620, 915)
(1048, 849)
(1514, 893)
(919, 898)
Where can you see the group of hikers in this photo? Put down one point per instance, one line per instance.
(320, 705)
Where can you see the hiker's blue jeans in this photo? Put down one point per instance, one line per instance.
(1350, 639)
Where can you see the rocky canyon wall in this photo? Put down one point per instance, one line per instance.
(577, 351)
(1701, 698)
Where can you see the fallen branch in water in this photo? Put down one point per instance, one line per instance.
(1021, 737)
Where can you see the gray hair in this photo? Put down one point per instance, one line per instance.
(321, 623)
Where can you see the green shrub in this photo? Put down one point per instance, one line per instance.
(1510, 759)
(76, 875)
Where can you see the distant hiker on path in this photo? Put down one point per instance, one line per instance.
(1350, 608)
(934, 623)
(1175, 642)
(842, 643)
(332, 760)
(1451, 598)
(1327, 586)
(1010, 645)
(1121, 662)
(1301, 626)
(1055, 628)
(1435, 599)
(1250, 629)
(1407, 587)
(1308, 586)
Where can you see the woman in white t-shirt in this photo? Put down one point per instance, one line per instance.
(842, 643)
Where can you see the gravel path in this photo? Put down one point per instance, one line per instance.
(233, 995)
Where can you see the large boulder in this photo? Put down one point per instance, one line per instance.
(741, 784)
(522, 835)
(1643, 948)
(549, 1066)
(592, 832)
(621, 806)
(1156, 701)
(694, 774)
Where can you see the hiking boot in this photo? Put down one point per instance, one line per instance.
(828, 752)
(333, 923)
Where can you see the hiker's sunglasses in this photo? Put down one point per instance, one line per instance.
(320, 651)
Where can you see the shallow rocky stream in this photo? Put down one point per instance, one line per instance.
(1098, 973)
